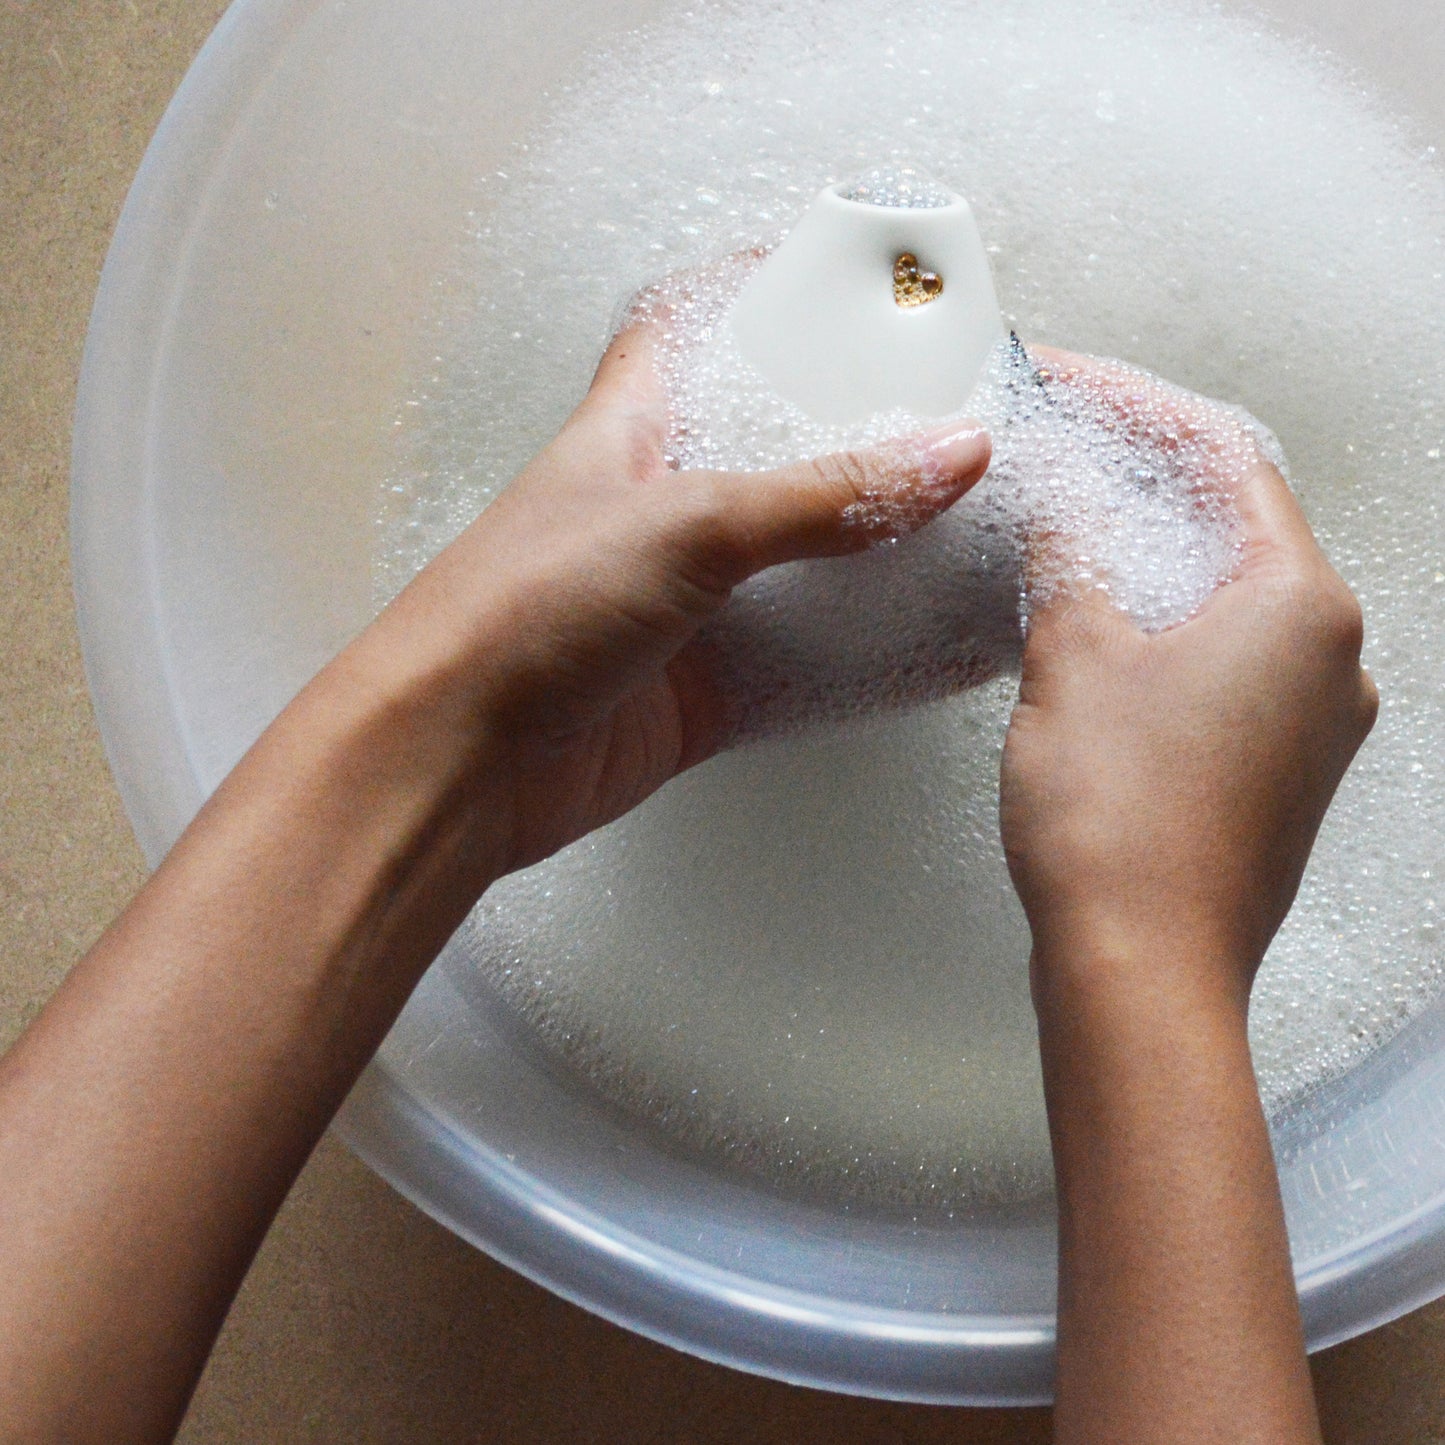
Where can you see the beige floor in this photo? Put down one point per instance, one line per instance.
(362, 1321)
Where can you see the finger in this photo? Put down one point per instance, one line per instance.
(1067, 603)
(1053, 363)
(1077, 368)
(842, 503)
(628, 371)
(627, 386)
(1273, 523)
(1154, 411)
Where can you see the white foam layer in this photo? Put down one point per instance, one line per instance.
(806, 956)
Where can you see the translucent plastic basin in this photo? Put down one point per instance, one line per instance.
(257, 312)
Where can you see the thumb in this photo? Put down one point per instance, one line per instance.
(1069, 614)
(845, 502)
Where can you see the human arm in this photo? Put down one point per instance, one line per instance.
(536, 681)
(1160, 798)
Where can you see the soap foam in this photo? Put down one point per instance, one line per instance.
(806, 956)
(1137, 506)
(900, 187)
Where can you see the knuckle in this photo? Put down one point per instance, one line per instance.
(845, 476)
(633, 438)
(713, 547)
(1369, 701)
(1323, 610)
(1343, 618)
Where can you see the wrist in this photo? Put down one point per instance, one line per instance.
(401, 737)
(1115, 975)
(1130, 1037)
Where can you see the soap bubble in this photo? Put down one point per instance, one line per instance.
(901, 187)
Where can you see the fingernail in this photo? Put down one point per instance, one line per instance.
(957, 447)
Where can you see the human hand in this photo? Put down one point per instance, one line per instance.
(1160, 796)
(562, 624)
(1161, 793)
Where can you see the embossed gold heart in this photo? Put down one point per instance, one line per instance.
(913, 286)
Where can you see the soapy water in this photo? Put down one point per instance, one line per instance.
(805, 956)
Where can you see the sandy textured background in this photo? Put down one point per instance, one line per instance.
(362, 1320)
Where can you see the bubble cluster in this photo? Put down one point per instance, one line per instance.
(1109, 476)
(901, 187)
(805, 957)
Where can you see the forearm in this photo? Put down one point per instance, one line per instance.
(1177, 1313)
(533, 683)
(156, 1114)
